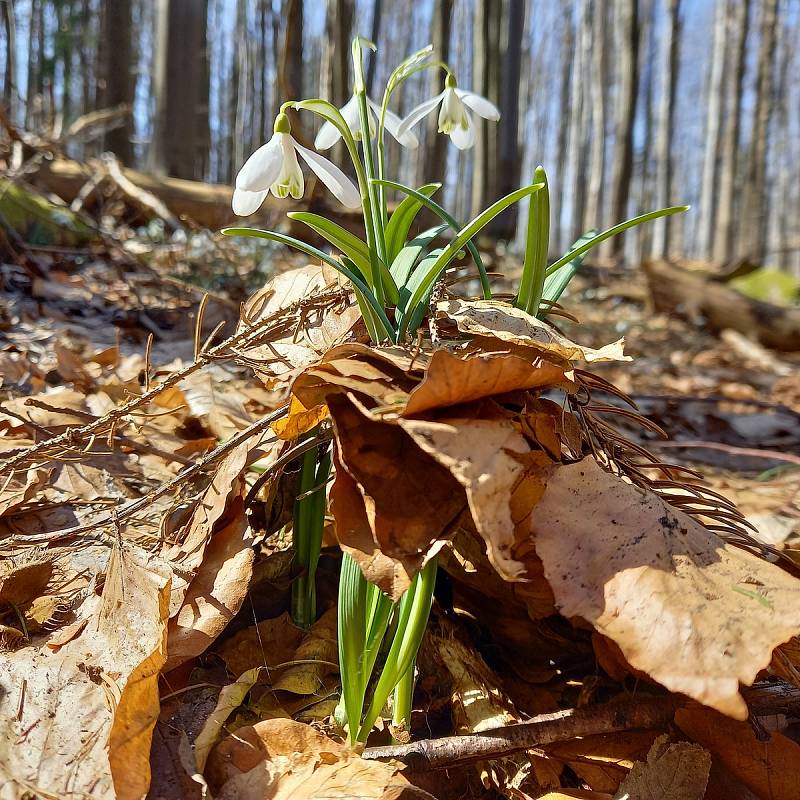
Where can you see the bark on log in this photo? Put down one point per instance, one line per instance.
(207, 205)
(692, 294)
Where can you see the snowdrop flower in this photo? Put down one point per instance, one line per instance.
(274, 167)
(454, 119)
(328, 134)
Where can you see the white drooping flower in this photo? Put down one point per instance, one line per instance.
(274, 168)
(454, 119)
(329, 134)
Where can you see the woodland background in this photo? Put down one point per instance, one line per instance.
(630, 104)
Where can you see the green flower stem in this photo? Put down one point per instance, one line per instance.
(301, 538)
(404, 698)
(413, 612)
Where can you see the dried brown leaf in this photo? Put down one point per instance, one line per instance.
(676, 771)
(281, 759)
(454, 379)
(78, 722)
(217, 590)
(502, 321)
(770, 769)
(697, 615)
(410, 501)
(490, 458)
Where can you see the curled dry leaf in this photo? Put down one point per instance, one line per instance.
(280, 759)
(187, 554)
(92, 704)
(409, 500)
(677, 771)
(492, 460)
(217, 590)
(497, 320)
(455, 379)
(24, 579)
(309, 333)
(695, 614)
(299, 420)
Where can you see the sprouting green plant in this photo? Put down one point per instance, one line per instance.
(392, 277)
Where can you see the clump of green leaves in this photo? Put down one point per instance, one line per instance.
(392, 277)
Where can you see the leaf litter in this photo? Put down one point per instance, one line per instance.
(488, 449)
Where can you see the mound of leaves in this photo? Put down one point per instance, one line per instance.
(600, 615)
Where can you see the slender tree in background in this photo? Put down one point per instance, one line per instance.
(668, 69)
(181, 136)
(10, 78)
(626, 23)
(486, 68)
(117, 81)
(290, 64)
(597, 86)
(563, 125)
(336, 58)
(738, 23)
(715, 105)
(508, 157)
(579, 116)
(756, 193)
(377, 14)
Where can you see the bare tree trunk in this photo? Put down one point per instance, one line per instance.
(627, 31)
(118, 84)
(486, 81)
(290, 65)
(757, 205)
(241, 100)
(578, 115)
(714, 111)
(738, 25)
(10, 95)
(670, 48)
(508, 160)
(436, 151)
(563, 126)
(181, 136)
(377, 12)
(597, 99)
(336, 60)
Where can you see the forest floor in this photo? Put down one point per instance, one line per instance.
(86, 329)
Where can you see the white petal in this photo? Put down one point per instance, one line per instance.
(392, 122)
(480, 105)
(327, 137)
(418, 113)
(290, 181)
(452, 113)
(350, 113)
(463, 138)
(263, 167)
(246, 203)
(341, 186)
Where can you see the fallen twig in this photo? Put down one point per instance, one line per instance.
(641, 712)
(750, 452)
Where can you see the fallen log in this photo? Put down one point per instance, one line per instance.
(693, 294)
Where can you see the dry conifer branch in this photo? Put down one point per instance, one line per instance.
(636, 713)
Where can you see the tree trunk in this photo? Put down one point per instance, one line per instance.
(738, 25)
(485, 81)
(507, 163)
(181, 137)
(290, 66)
(563, 126)
(757, 207)
(670, 44)
(436, 151)
(336, 61)
(10, 78)
(377, 12)
(597, 98)
(715, 107)
(579, 113)
(117, 82)
(627, 32)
